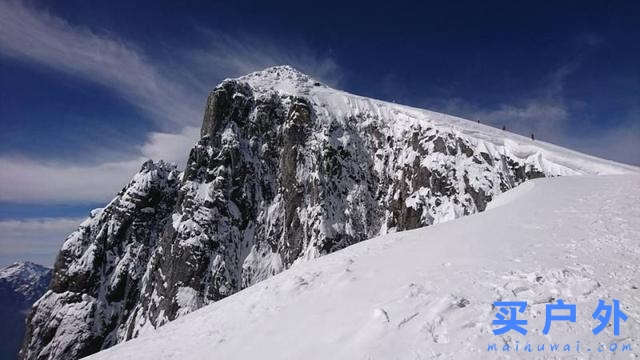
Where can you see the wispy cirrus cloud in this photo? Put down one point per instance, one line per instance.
(170, 92)
(40, 37)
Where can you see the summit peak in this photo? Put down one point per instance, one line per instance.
(281, 79)
(279, 71)
(22, 268)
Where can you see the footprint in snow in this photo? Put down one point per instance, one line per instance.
(381, 315)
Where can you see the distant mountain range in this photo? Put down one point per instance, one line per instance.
(21, 284)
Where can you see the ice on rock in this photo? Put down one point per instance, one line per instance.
(286, 170)
(429, 292)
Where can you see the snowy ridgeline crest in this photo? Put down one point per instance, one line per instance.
(25, 280)
(286, 169)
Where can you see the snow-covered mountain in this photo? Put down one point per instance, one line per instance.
(428, 293)
(286, 170)
(21, 284)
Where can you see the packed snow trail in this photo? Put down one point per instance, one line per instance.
(428, 293)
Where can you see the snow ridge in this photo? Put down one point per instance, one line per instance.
(428, 293)
(286, 170)
(26, 278)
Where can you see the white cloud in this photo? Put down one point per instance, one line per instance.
(533, 115)
(43, 38)
(546, 118)
(542, 111)
(36, 240)
(171, 147)
(545, 112)
(171, 94)
(30, 181)
(39, 226)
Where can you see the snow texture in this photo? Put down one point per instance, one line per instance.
(286, 170)
(28, 280)
(428, 293)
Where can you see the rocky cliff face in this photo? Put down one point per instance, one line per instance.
(99, 270)
(286, 169)
(21, 284)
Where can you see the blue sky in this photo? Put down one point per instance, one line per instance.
(88, 91)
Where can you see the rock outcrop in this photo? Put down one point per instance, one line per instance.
(286, 169)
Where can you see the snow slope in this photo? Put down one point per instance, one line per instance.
(428, 293)
(286, 170)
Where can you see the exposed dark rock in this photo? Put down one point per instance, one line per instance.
(277, 176)
(97, 273)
